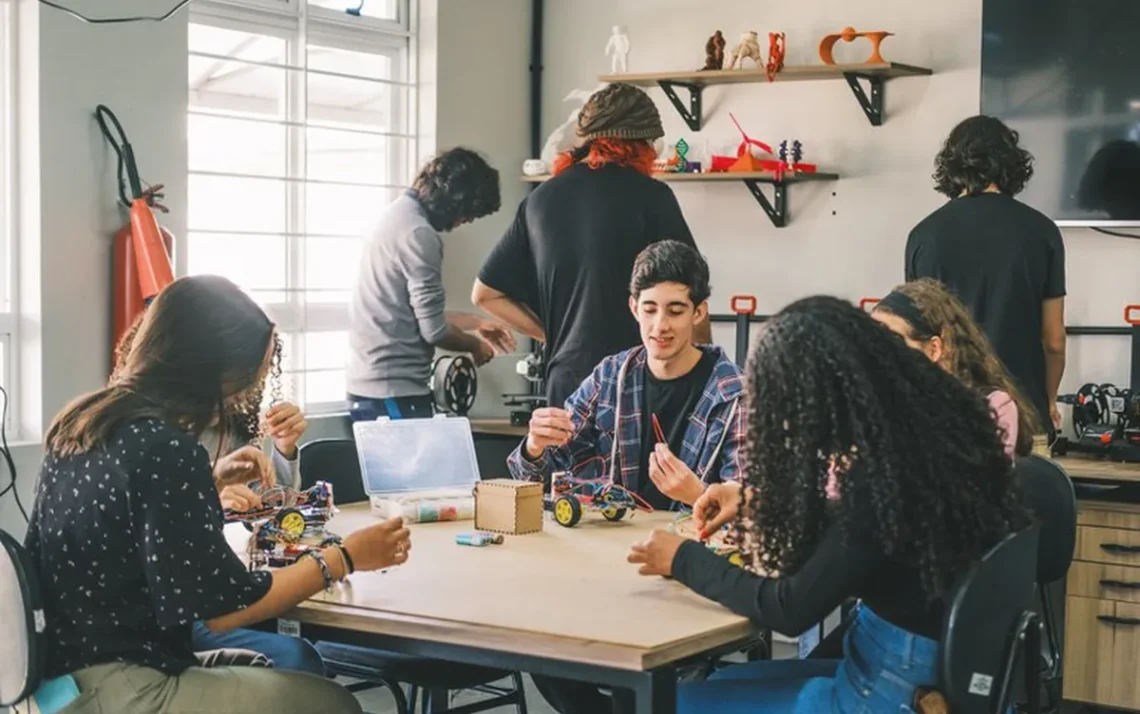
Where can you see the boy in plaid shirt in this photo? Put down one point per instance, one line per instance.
(673, 405)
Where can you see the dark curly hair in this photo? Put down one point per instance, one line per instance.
(981, 152)
(923, 474)
(456, 187)
(671, 261)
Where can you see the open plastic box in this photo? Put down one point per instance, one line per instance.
(422, 469)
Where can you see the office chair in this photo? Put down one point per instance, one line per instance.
(336, 461)
(991, 630)
(21, 624)
(1048, 494)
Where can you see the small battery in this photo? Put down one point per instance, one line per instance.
(479, 539)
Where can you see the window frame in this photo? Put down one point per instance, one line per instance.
(300, 26)
(9, 207)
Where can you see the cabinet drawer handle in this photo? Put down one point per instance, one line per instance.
(1118, 548)
(1109, 619)
(1123, 584)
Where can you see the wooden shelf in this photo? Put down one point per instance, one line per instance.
(776, 208)
(875, 74)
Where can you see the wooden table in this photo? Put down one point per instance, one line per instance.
(1081, 467)
(562, 602)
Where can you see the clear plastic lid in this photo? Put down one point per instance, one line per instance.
(416, 455)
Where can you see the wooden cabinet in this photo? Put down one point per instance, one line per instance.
(1102, 608)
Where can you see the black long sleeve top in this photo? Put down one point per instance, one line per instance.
(836, 571)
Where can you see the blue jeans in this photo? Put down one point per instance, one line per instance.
(288, 653)
(368, 409)
(882, 666)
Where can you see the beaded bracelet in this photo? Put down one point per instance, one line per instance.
(325, 572)
(349, 567)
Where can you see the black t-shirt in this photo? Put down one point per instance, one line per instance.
(836, 571)
(673, 401)
(569, 255)
(129, 547)
(1003, 259)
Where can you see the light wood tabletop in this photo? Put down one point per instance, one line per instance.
(564, 593)
(1082, 467)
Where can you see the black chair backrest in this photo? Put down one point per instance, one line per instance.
(986, 607)
(1048, 494)
(21, 623)
(334, 461)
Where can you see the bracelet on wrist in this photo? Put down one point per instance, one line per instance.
(349, 566)
(326, 574)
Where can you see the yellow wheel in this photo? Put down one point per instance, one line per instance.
(567, 511)
(292, 522)
(736, 559)
(613, 513)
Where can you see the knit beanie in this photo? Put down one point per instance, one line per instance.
(619, 111)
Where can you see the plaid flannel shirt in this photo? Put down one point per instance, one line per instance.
(595, 407)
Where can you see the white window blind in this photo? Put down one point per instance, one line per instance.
(299, 129)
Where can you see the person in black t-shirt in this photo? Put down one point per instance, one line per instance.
(559, 273)
(1003, 259)
(924, 489)
(127, 531)
(607, 429)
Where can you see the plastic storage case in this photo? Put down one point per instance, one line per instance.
(422, 469)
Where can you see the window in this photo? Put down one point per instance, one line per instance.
(299, 128)
(8, 294)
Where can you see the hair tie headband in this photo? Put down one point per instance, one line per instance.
(900, 304)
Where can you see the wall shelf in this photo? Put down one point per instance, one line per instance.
(776, 208)
(875, 74)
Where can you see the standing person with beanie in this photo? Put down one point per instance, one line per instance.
(560, 273)
(397, 315)
(1003, 259)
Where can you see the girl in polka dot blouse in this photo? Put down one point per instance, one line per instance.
(126, 530)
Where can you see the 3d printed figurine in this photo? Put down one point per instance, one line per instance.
(618, 46)
(848, 35)
(714, 52)
(776, 46)
(749, 46)
(744, 161)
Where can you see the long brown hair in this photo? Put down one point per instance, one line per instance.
(197, 357)
(967, 353)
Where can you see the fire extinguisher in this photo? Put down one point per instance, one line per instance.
(142, 248)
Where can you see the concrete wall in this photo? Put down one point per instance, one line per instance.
(844, 238)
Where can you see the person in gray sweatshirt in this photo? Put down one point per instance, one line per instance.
(397, 315)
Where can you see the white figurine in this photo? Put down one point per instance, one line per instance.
(749, 47)
(618, 46)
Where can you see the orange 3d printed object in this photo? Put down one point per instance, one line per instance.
(848, 35)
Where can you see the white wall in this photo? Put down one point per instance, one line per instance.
(850, 243)
(68, 210)
(484, 103)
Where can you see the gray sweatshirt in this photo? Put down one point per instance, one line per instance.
(396, 314)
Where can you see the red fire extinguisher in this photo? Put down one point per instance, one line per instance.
(142, 249)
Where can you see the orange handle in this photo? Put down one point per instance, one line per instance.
(738, 304)
(1129, 316)
(867, 303)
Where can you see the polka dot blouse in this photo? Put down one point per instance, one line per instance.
(129, 547)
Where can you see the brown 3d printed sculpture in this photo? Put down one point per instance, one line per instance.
(714, 52)
(848, 35)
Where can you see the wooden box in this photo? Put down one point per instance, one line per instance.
(506, 505)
